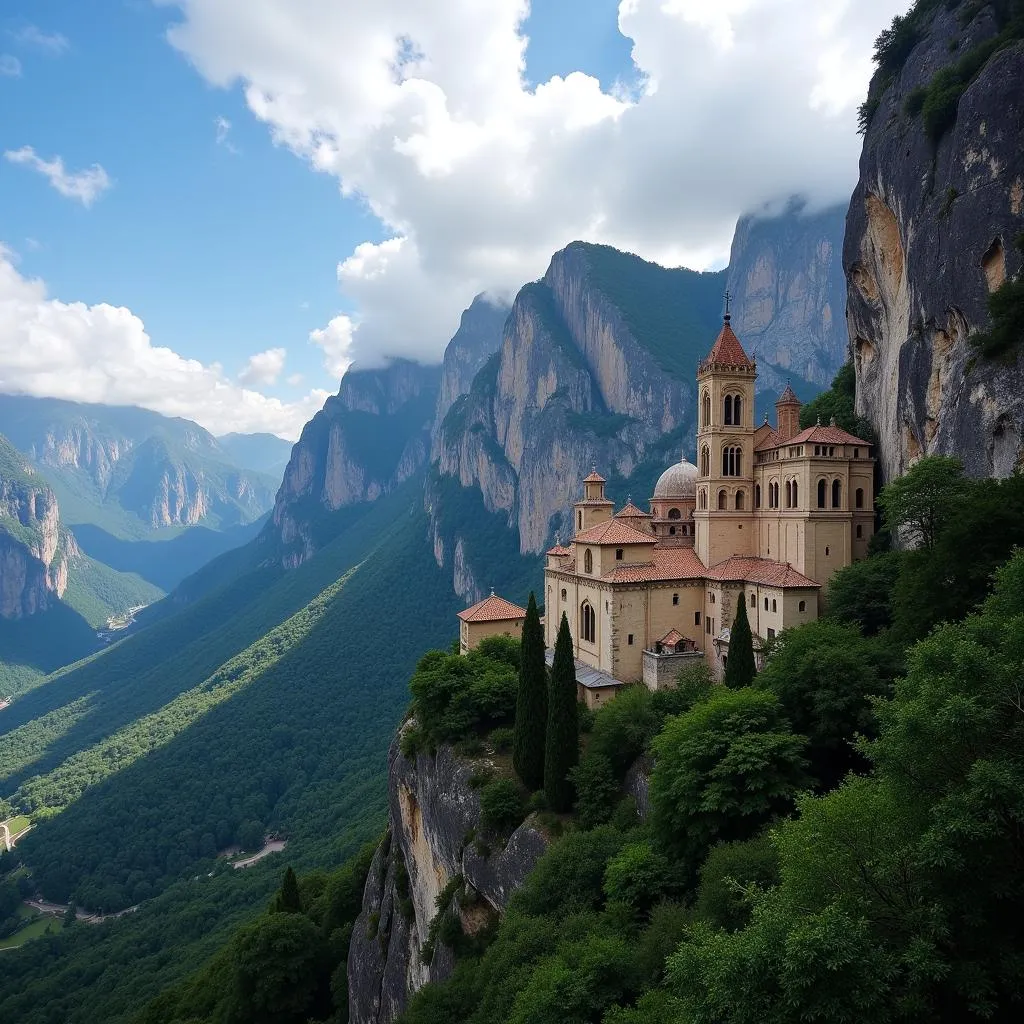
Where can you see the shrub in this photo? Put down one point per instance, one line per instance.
(501, 739)
(501, 806)
(596, 790)
(731, 868)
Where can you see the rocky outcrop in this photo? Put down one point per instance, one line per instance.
(930, 233)
(34, 550)
(368, 439)
(476, 340)
(434, 817)
(789, 292)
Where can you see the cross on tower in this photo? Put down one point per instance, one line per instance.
(728, 300)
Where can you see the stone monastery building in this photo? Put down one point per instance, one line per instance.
(766, 516)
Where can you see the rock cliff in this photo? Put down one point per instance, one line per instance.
(34, 550)
(789, 293)
(369, 438)
(433, 817)
(933, 229)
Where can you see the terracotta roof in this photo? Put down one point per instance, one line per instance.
(727, 350)
(787, 397)
(559, 549)
(671, 638)
(630, 511)
(764, 571)
(594, 478)
(826, 435)
(595, 502)
(772, 440)
(665, 564)
(492, 609)
(613, 531)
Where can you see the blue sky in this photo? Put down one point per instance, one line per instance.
(222, 249)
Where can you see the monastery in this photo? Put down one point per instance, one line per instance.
(766, 516)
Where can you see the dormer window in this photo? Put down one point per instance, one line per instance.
(618, 554)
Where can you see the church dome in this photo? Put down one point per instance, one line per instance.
(678, 481)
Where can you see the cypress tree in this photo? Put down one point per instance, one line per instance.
(562, 746)
(740, 668)
(288, 900)
(531, 724)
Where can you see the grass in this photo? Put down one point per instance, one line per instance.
(18, 824)
(35, 929)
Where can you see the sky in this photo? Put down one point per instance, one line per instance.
(211, 208)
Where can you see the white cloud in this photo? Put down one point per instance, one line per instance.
(264, 367)
(52, 43)
(86, 185)
(222, 130)
(420, 107)
(102, 353)
(10, 66)
(336, 341)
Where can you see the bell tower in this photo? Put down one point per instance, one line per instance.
(595, 507)
(725, 449)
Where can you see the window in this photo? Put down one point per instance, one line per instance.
(618, 554)
(707, 409)
(588, 561)
(728, 409)
(757, 496)
(703, 498)
(803, 606)
(629, 639)
(837, 493)
(674, 513)
(753, 601)
(686, 531)
(771, 633)
(856, 453)
(705, 461)
(671, 531)
(589, 619)
(696, 618)
(712, 598)
(826, 551)
(737, 410)
(579, 520)
(858, 498)
(675, 599)
(723, 500)
(740, 500)
(796, 495)
(707, 625)
(766, 604)
(563, 593)
(775, 606)
(789, 495)
(821, 493)
(732, 461)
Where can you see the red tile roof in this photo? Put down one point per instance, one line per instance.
(595, 503)
(788, 397)
(492, 609)
(630, 511)
(594, 478)
(826, 435)
(727, 350)
(764, 571)
(613, 531)
(771, 440)
(666, 564)
(671, 638)
(559, 549)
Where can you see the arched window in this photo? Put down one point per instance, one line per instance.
(705, 461)
(588, 561)
(579, 521)
(703, 498)
(674, 513)
(671, 531)
(753, 600)
(826, 551)
(737, 410)
(686, 530)
(821, 493)
(563, 593)
(837, 493)
(588, 618)
(775, 607)
(789, 495)
(732, 461)
(860, 532)
(803, 606)
(707, 409)
(796, 495)
(766, 604)
(723, 500)
(757, 495)
(728, 409)
(740, 500)
(858, 498)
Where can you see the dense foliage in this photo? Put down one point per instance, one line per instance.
(1005, 332)
(562, 737)
(531, 702)
(741, 668)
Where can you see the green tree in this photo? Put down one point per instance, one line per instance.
(70, 915)
(531, 703)
(740, 668)
(927, 497)
(562, 749)
(862, 592)
(596, 789)
(724, 894)
(722, 771)
(637, 876)
(287, 900)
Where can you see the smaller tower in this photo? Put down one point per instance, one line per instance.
(595, 507)
(787, 414)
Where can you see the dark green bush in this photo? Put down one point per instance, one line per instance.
(501, 806)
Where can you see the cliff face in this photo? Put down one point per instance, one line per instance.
(34, 550)
(369, 438)
(789, 292)
(433, 815)
(930, 233)
(476, 340)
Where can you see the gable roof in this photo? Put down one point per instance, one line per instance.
(559, 549)
(613, 531)
(788, 397)
(492, 609)
(594, 478)
(671, 638)
(665, 564)
(764, 571)
(727, 350)
(630, 511)
(826, 435)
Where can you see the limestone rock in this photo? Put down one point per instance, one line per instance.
(929, 234)
(433, 814)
